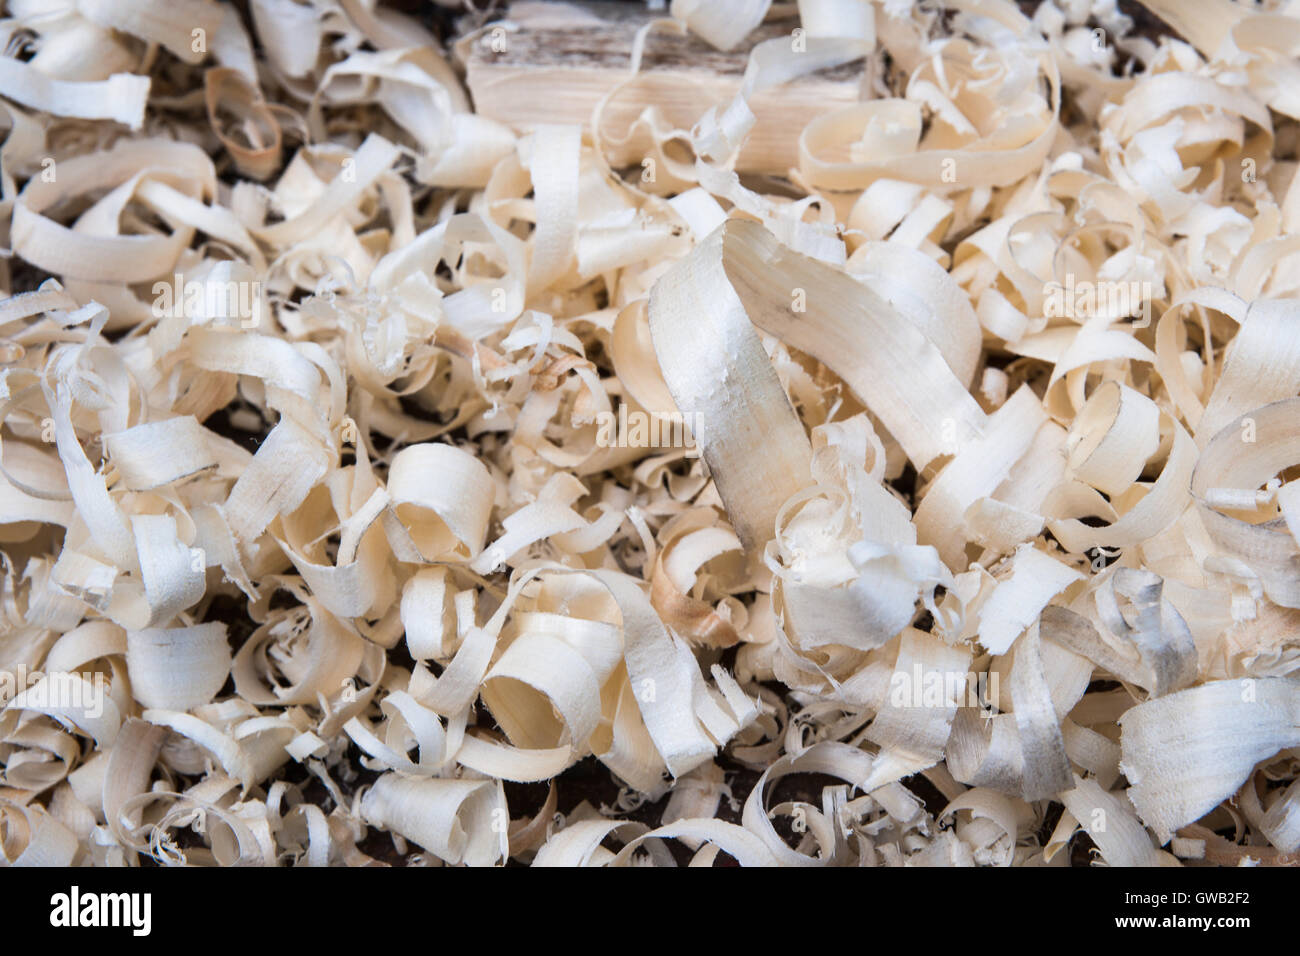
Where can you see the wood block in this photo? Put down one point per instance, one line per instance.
(565, 56)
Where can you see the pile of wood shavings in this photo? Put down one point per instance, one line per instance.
(335, 525)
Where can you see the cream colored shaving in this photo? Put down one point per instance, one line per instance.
(364, 460)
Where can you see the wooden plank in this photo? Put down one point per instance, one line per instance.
(565, 56)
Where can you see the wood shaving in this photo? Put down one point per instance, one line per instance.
(373, 473)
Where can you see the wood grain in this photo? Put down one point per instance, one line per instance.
(564, 57)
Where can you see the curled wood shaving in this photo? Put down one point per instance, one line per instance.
(367, 466)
